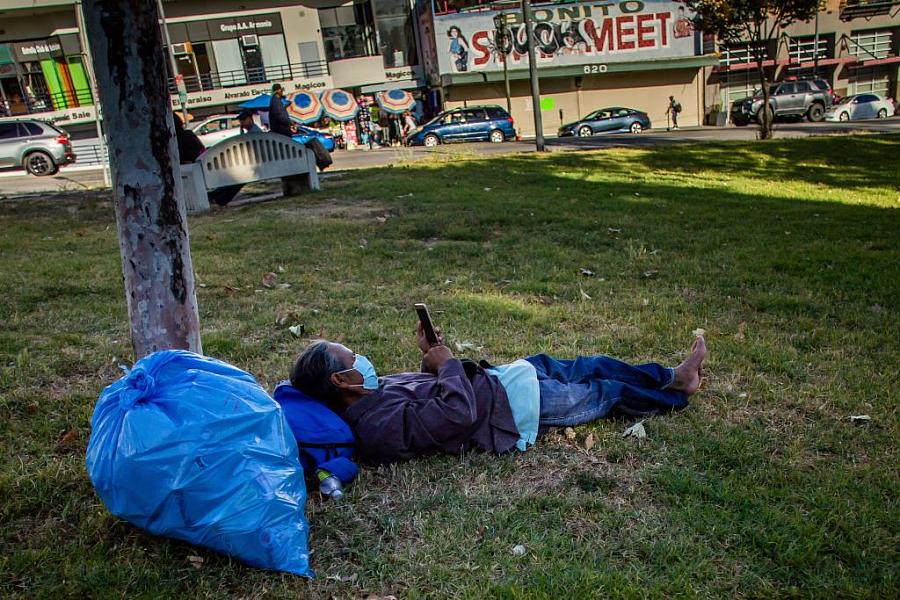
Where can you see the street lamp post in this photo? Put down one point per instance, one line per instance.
(533, 75)
(170, 51)
(500, 25)
(816, 43)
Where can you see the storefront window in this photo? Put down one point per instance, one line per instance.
(43, 75)
(348, 31)
(396, 39)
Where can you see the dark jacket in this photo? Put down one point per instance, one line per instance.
(279, 121)
(413, 414)
(189, 145)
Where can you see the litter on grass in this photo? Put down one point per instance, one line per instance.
(637, 430)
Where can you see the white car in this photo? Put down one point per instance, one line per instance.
(216, 128)
(860, 106)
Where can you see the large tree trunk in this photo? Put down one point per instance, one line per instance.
(128, 57)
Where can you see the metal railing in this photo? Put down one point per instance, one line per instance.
(89, 153)
(42, 101)
(248, 76)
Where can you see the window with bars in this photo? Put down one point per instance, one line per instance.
(867, 45)
(738, 55)
(805, 49)
(873, 80)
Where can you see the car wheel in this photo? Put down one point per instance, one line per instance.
(40, 164)
(740, 122)
(497, 136)
(585, 131)
(882, 114)
(815, 113)
(636, 127)
(845, 116)
(768, 113)
(431, 141)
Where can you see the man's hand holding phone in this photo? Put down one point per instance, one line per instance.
(431, 342)
(435, 358)
(424, 344)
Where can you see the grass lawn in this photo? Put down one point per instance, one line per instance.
(785, 252)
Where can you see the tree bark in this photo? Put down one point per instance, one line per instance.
(129, 62)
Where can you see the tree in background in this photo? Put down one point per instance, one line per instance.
(755, 22)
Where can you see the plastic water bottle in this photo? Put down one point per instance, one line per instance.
(330, 485)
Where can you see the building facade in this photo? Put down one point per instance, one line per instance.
(590, 55)
(853, 44)
(222, 52)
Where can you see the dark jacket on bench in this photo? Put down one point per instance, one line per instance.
(413, 414)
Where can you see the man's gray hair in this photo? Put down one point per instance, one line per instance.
(312, 373)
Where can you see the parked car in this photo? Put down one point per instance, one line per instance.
(38, 146)
(823, 85)
(808, 98)
(608, 120)
(469, 124)
(216, 128)
(860, 106)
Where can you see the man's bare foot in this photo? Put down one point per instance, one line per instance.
(687, 374)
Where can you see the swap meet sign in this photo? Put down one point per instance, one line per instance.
(567, 34)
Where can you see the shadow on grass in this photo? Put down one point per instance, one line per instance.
(847, 162)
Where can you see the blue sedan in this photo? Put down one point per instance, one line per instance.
(608, 120)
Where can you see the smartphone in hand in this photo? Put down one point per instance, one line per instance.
(427, 325)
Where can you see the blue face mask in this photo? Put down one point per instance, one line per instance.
(365, 368)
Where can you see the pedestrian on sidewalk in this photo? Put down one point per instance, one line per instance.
(672, 112)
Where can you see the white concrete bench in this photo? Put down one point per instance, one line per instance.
(246, 159)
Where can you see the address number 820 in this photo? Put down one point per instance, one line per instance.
(594, 69)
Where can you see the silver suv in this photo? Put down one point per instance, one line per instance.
(808, 98)
(37, 146)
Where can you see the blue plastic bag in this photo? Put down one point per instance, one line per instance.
(193, 448)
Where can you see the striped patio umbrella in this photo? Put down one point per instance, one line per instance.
(305, 106)
(395, 101)
(339, 105)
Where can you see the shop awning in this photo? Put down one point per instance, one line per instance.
(823, 62)
(689, 62)
(389, 85)
(744, 66)
(881, 61)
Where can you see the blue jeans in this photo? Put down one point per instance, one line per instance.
(591, 387)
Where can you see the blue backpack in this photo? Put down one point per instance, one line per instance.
(325, 441)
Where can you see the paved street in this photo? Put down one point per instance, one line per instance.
(15, 182)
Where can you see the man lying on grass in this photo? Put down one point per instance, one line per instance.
(454, 406)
